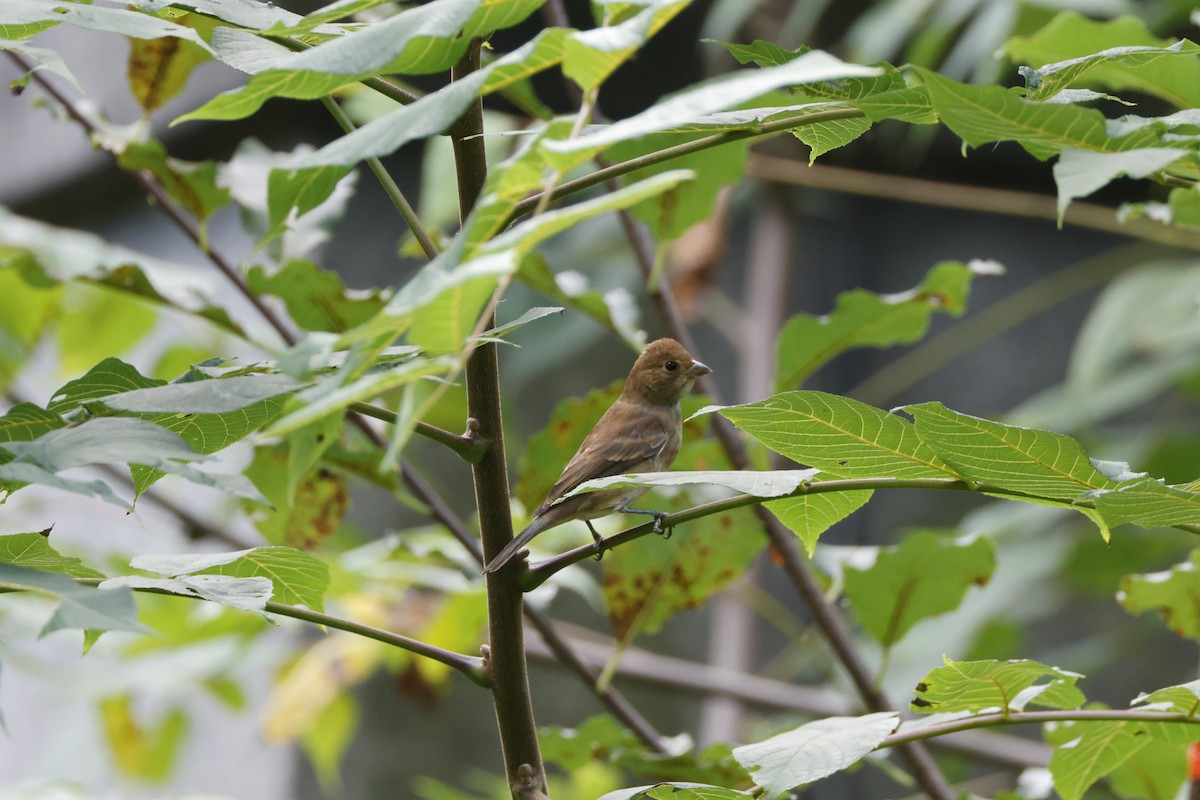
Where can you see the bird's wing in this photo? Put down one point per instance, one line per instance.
(630, 448)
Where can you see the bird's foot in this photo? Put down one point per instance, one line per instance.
(597, 538)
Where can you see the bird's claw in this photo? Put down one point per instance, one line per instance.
(658, 528)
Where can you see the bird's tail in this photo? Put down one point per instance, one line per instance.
(538, 525)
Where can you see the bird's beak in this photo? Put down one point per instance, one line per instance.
(697, 369)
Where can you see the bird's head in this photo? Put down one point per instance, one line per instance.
(663, 373)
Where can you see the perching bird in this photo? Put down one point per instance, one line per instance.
(640, 432)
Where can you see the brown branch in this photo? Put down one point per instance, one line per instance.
(506, 655)
(924, 769)
(942, 194)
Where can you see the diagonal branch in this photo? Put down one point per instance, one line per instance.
(925, 770)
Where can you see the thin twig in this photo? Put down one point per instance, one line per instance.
(384, 87)
(1024, 717)
(528, 204)
(405, 209)
(942, 194)
(471, 666)
(667, 672)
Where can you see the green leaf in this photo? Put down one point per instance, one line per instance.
(418, 40)
(647, 581)
(1130, 58)
(243, 13)
(677, 790)
(672, 213)
(1078, 173)
(84, 607)
(1175, 594)
(616, 310)
(822, 137)
(44, 58)
(24, 422)
(532, 314)
(1182, 209)
(160, 67)
(603, 739)
(246, 594)
(810, 515)
(773, 483)
(47, 255)
(839, 436)
(1152, 773)
(293, 577)
(434, 112)
(813, 751)
(925, 576)
(991, 686)
(192, 186)
(333, 395)
(304, 515)
(212, 396)
(711, 96)
(591, 56)
(112, 440)
(113, 20)
(1095, 749)
(33, 550)
(251, 401)
(983, 114)
(865, 319)
(1034, 462)
(147, 753)
(1182, 699)
(1149, 503)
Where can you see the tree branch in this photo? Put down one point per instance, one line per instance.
(470, 666)
(1023, 717)
(667, 672)
(506, 657)
(532, 202)
(541, 571)
(942, 194)
(924, 769)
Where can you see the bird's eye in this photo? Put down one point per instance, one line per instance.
(672, 366)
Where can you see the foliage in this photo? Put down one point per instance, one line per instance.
(269, 414)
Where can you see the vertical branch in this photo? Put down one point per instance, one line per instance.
(732, 628)
(506, 659)
(924, 769)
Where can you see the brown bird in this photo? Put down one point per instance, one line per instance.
(640, 432)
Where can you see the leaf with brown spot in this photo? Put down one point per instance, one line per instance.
(312, 516)
(158, 69)
(648, 580)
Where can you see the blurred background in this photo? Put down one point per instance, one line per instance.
(787, 239)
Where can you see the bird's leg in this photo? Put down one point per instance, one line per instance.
(659, 516)
(597, 538)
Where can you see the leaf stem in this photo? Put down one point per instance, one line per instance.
(469, 448)
(538, 573)
(470, 666)
(666, 154)
(1024, 717)
(944, 194)
(388, 183)
(384, 87)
